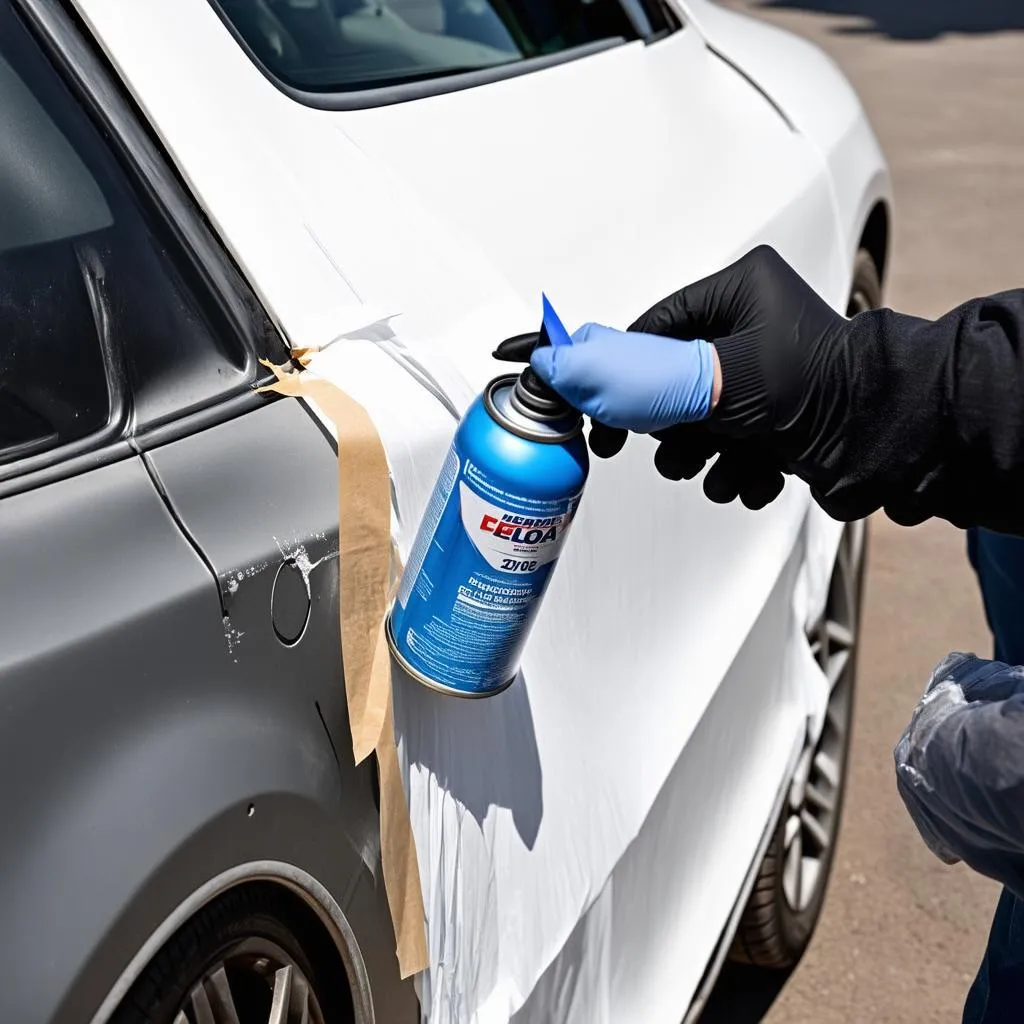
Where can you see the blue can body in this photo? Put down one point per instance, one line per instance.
(485, 551)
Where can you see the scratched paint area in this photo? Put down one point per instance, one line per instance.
(291, 551)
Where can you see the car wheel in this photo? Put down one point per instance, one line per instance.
(788, 894)
(255, 955)
(866, 290)
(787, 897)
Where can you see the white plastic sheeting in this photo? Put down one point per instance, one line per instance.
(547, 817)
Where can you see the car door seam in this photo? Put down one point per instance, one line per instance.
(161, 490)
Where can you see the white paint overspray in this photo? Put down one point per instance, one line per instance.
(230, 584)
(299, 558)
(233, 636)
(296, 555)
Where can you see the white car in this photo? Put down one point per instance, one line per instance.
(189, 185)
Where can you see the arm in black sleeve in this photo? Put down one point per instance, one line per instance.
(923, 418)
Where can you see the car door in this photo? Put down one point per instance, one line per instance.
(170, 679)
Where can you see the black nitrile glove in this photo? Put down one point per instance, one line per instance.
(775, 339)
(919, 417)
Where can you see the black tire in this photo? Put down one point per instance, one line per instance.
(866, 289)
(771, 933)
(270, 924)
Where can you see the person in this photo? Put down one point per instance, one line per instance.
(751, 370)
(998, 562)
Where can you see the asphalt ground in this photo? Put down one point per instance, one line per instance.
(943, 83)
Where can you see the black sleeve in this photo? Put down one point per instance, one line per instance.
(923, 418)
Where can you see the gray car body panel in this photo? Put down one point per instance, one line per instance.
(159, 738)
(256, 493)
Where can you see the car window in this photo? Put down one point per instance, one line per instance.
(53, 382)
(342, 45)
(98, 314)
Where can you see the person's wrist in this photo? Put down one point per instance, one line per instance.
(743, 404)
(716, 387)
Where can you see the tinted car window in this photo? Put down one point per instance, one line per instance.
(53, 382)
(99, 315)
(341, 45)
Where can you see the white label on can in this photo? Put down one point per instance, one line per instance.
(509, 541)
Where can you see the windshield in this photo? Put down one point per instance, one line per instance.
(342, 45)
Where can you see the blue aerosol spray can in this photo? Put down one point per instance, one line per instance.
(494, 527)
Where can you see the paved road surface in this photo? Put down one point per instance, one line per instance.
(943, 82)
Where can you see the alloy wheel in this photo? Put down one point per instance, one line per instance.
(255, 982)
(812, 811)
(860, 302)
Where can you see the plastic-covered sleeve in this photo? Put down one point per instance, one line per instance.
(960, 767)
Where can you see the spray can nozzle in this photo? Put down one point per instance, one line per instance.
(531, 393)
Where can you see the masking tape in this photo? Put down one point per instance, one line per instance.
(365, 555)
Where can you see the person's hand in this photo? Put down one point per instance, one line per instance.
(773, 337)
(772, 334)
(637, 382)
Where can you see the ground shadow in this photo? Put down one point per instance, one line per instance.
(482, 752)
(916, 19)
(743, 995)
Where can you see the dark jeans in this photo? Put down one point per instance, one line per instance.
(997, 995)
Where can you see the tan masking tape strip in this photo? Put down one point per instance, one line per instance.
(364, 546)
(364, 567)
(303, 355)
(398, 856)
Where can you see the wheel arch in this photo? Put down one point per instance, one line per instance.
(289, 878)
(160, 815)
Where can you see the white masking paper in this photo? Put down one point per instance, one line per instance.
(529, 808)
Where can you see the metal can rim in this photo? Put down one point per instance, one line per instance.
(509, 379)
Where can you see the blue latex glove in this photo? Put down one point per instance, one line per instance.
(639, 382)
(960, 766)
